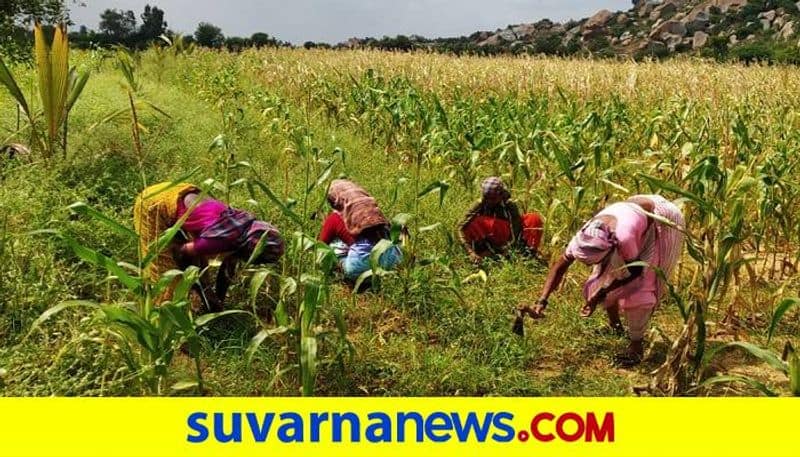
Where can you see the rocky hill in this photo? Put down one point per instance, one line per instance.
(745, 29)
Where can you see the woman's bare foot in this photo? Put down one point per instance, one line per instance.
(632, 356)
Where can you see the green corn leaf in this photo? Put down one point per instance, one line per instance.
(308, 364)
(435, 186)
(668, 186)
(783, 307)
(255, 285)
(206, 319)
(361, 278)
(7, 79)
(399, 222)
(762, 354)
(77, 83)
(146, 333)
(96, 258)
(275, 200)
(793, 360)
(85, 210)
(741, 379)
(50, 312)
(377, 251)
(326, 173)
(259, 338)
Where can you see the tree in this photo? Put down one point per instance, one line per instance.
(118, 25)
(260, 39)
(16, 15)
(236, 44)
(153, 23)
(209, 35)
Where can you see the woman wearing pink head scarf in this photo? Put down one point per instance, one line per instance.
(621, 234)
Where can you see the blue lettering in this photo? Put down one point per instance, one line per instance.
(316, 423)
(505, 427)
(194, 424)
(472, 426)
(384, 424)
(446, 425)
(219, 428)
(295, 425)
(260, 431)
(402, 418)
(355, 427)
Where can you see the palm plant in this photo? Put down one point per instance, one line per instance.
(59, 88)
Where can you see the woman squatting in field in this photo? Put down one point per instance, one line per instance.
(494, 224)
(621, 234)
(210, 229)
(354, 227)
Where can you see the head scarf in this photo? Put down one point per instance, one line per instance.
(593, 242)
(494, 187)
(273, 246)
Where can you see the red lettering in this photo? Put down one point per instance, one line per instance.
(600, 433)
(566, 436)
(543, 437)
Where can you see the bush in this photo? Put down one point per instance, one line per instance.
(757, 51)
(717, 48)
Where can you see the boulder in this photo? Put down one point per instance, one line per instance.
(697, 20)
(523, 31)
(725, 5)
(668, 27)
(596, 25)
(652, 47)
(733, 39)
(750, 37)
(787, 31)
(625, 35)
(646, 7)
(699, 40)
(664, 11)
(600, 19)
(779, 23)
(507, 35)
(672, 41)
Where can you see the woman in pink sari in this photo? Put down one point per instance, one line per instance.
(645, 228)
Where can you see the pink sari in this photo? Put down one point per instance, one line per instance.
(659, 245)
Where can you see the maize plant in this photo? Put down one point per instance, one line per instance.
(146, 336)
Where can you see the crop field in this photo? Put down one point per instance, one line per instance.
(266, 130)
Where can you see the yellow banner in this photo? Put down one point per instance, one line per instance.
(369, 427)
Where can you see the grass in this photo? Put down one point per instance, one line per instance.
(408, 341)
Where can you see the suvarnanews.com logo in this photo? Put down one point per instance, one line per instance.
(398, 427)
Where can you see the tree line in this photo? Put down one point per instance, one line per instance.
(116, 27)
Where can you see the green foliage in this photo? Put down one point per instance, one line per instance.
(209, 35)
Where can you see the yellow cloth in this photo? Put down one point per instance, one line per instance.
(156, 210)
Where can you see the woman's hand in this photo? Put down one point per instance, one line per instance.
(475, 258)
(537, 310)
(588, 308)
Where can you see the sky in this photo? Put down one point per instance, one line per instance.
(335, 21)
